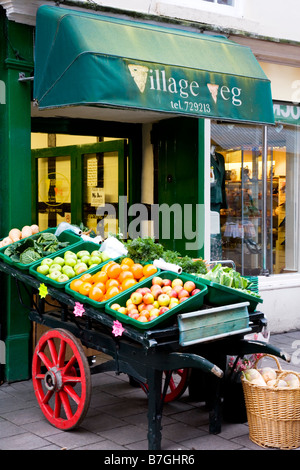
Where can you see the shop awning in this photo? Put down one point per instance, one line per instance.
(86, 59)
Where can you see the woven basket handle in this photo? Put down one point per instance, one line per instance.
(284, 374)
(272, 357)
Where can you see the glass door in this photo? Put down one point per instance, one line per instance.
(80, 184)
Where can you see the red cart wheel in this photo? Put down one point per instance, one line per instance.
(61, 379)
(177, 384)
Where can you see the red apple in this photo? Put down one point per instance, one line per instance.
(195, 291)
(134, 315)
(166, 289)
(167, 282)
(182, 299)
(163, 310)
(156, 290)
(183, 293)
(189, 286)
(157, 281)
(177, 288)
(143, 290)
(173, 293)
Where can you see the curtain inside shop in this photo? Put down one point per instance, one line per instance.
(236, 181)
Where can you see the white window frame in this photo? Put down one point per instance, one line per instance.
(228, 10)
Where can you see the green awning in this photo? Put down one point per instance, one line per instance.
(88, 59)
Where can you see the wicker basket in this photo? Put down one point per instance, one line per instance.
(273, 413)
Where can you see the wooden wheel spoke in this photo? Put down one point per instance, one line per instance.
(57, 406)
(45, 360)
(72, 394)
(53, 352)
(66, 404)
(69, 364)
(62, 353)
(47, 397)
(71, 378)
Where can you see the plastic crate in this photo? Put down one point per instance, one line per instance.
(66, 236)
(218, 295)
(89, 246)
(96, 304)
(192, 303)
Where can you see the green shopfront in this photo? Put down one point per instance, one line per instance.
(174, 114)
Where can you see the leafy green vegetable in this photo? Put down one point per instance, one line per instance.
(34, 247)
(143, 250)
(229, 277)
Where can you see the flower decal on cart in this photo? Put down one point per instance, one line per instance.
(43, 290)
(78, 309)
(117, 328)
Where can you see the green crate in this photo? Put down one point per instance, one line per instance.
(218, 295)
(66, 236)
(194, 302)
(84, 299)
(89, 246)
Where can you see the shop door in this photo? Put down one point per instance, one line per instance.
(176, 184)
(80, 184)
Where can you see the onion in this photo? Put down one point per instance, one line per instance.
(15, 234)
(268, 373)
(6, 241)
(34, 229)
(26, 231)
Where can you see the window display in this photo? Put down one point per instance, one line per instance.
(241, 220)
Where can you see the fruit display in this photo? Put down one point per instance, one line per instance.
(16, 234)
(157, 299)
(110, 280)
(70, 263)
(147, 303)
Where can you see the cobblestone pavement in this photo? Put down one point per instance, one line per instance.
(117, 417)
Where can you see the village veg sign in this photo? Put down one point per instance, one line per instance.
(195, 92)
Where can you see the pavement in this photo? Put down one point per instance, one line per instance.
(117, 417)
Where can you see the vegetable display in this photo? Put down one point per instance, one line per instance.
(34, 247)
(228, 277)
(146, 249)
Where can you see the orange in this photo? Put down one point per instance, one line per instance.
(100, 276)
(86, 277)
(124, 267)
(96, 294)
(75, 284)
(127, 283)
(107, 265)
(125, 275)
(85, 288)
(111, 292)
(149, 269)
(137, 270)
(100, 285)
(127, 261)
(111, 283)
(113, 271)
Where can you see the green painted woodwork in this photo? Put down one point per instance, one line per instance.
(112, 62)
(179, 186)
(16, 50)
(76, 152)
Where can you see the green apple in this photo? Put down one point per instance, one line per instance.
(70, 254)
(85, 259)
(47, 262)
(82, 253)
(59, 260)
(55, 267)
(68, 270)
(96, 253)
(43, 269)
(62, 278)
(80, 268)
(70, 261)
(104, 256)
(54, 275)
(94, 260)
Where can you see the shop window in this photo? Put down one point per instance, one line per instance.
(237, 193)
